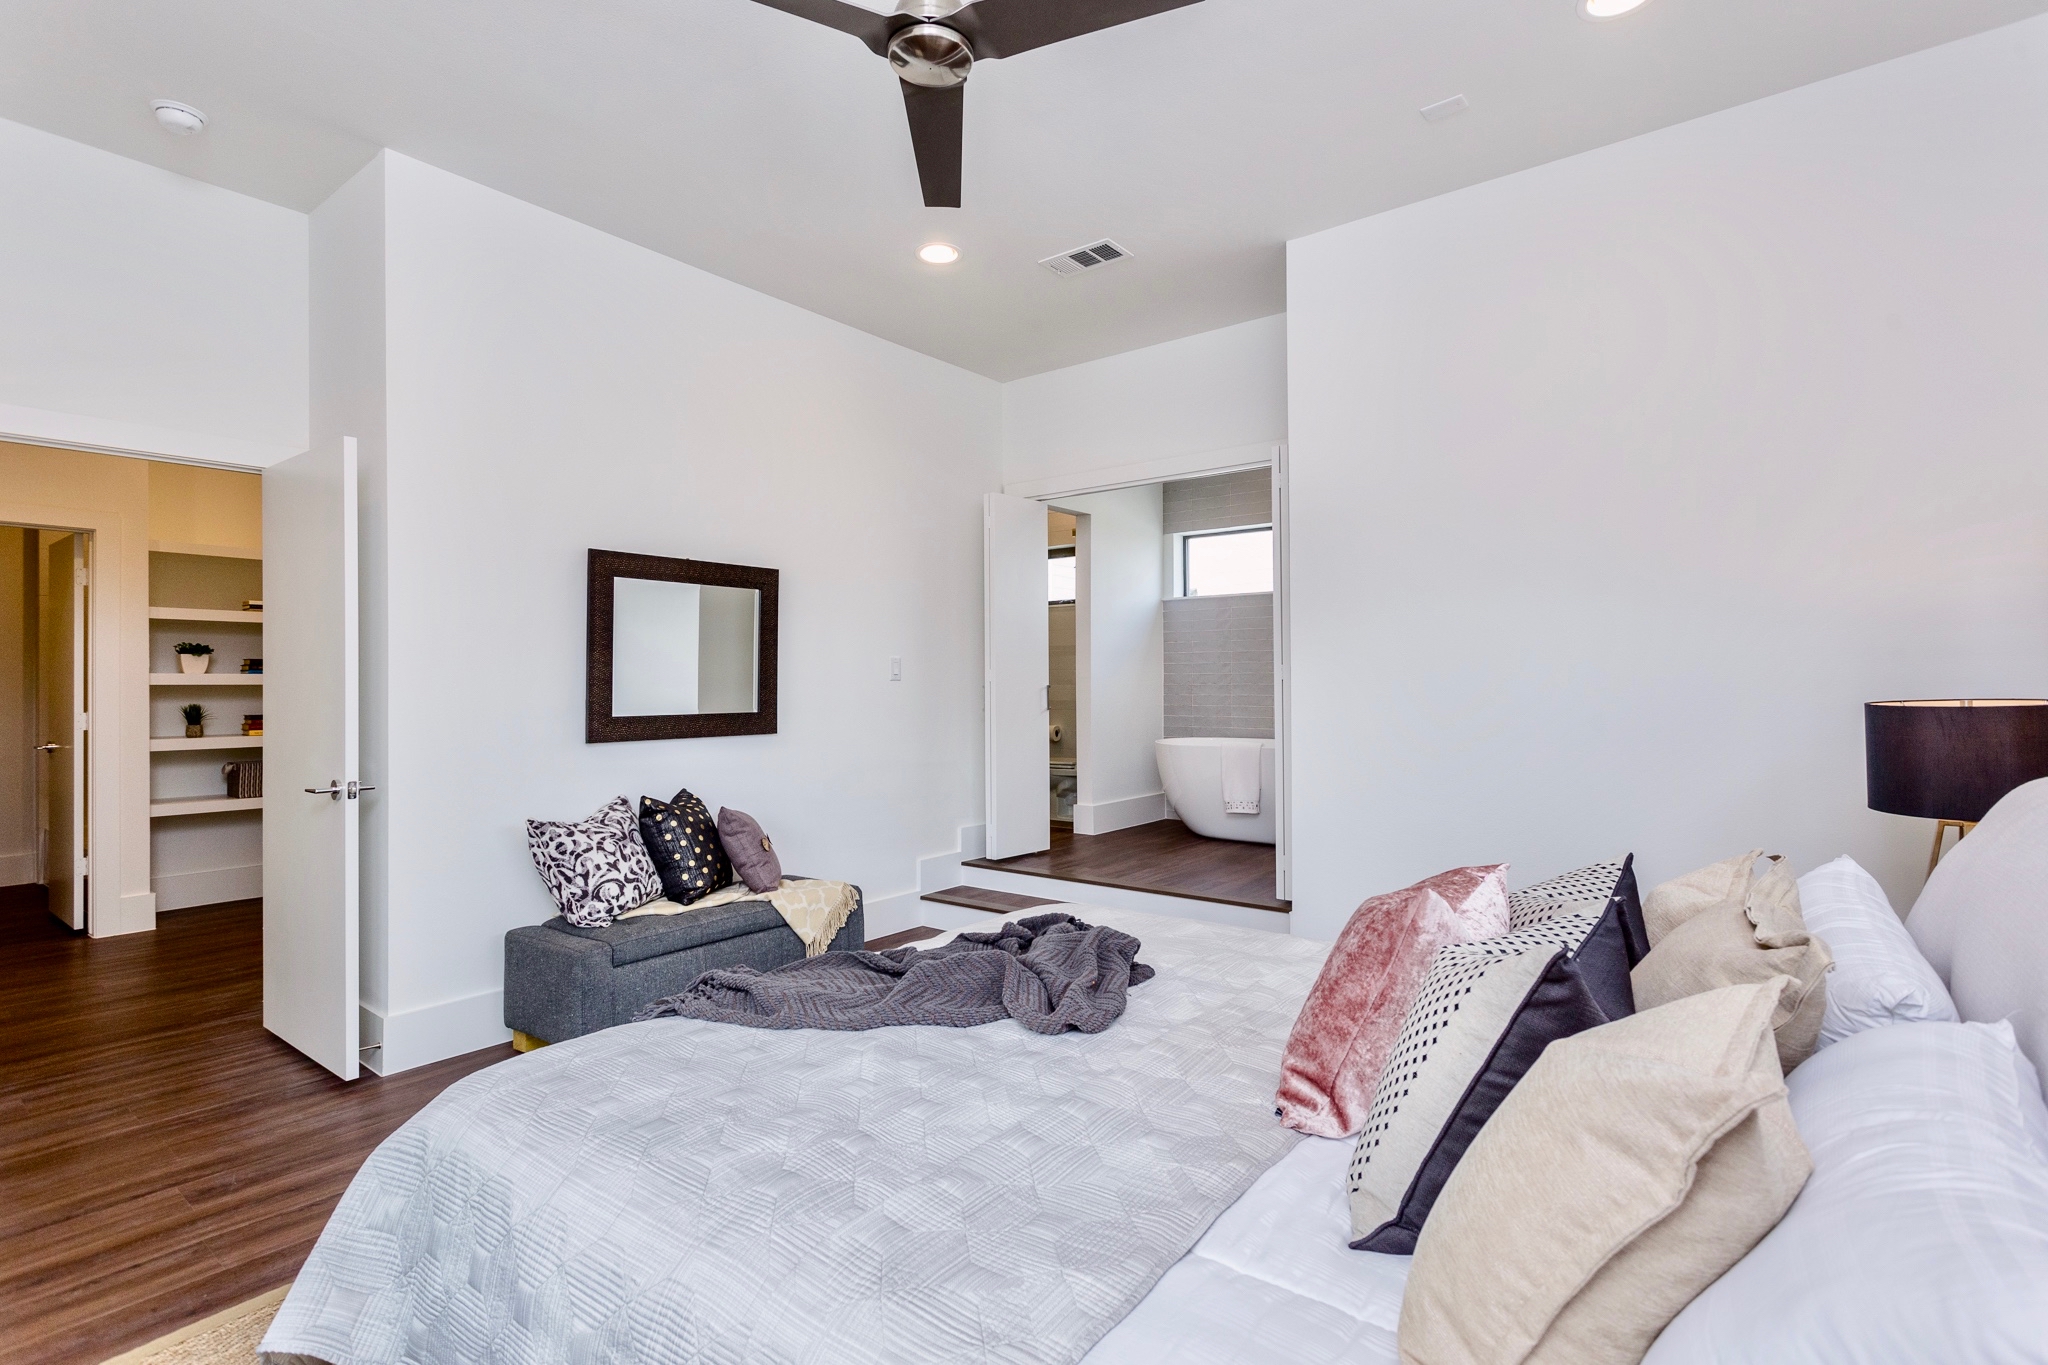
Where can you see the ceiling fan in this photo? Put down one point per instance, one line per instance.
(933, 44)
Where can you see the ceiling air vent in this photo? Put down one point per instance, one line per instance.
(1084, 258)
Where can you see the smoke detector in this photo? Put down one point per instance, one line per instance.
(1090, 257)
(181, 119)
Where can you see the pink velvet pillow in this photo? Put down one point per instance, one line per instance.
(1354, 1014)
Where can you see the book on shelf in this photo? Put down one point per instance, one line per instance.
(244, 778)
(252, 725)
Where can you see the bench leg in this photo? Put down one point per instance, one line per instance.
(526, 1042)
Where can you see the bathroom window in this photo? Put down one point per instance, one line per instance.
(1060, 574)
(1216, 563)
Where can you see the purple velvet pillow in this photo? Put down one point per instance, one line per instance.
(753, 857)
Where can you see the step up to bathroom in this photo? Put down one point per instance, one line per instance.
(981, 898)
(1164, 858)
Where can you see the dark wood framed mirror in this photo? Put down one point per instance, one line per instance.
(678, 649)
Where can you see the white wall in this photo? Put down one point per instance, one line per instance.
(145, 311)
(1620, 484)
(552, 389)
(1144, 414)
(1120, 661)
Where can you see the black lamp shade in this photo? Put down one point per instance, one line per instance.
(1951, 760)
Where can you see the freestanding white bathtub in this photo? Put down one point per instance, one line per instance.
(1192, 772)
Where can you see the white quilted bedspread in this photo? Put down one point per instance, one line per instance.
(681, 1191)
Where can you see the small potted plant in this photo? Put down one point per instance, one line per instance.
(193, 657)
(195, 720)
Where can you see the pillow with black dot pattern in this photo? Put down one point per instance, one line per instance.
(682, 839)
(1606, 891)
(1483, 1016)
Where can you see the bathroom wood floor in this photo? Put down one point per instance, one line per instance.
(1165, 857)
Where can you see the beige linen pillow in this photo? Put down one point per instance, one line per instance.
(1674, 902)
(1755, 932)
(1632, 1166)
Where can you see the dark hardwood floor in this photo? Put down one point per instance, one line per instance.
(901, 939)
(981, 898)
(1164, 857)
(161, 1156)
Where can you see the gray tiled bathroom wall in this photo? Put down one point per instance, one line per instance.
(1219, 650)
(1241, 499)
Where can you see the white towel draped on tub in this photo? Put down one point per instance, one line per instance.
(1241, 777)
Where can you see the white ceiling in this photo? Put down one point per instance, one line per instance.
(774, 152)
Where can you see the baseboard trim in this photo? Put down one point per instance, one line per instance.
(211, 886)
(942, 870)
(17, 869)
(885, 915)
(1107, 817)
(134, 913)
(413, 1038)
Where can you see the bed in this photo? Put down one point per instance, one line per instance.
(683, 1191)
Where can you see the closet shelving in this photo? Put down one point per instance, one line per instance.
(202, 572)
(203, 805)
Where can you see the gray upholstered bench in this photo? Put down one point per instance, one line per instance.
(562, 981)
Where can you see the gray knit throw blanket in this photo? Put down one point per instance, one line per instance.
(1051, 973)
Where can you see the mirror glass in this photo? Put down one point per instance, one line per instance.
(683, 649)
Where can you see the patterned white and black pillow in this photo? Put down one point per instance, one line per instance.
(1483, 1016)
(682, 838)
(1606, 891)
(596, 868)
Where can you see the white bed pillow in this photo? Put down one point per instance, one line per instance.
(1923, 1232)
(1880, 976)
(1980, 920)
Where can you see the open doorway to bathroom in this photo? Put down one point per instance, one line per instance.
(1062, 533)
(1164, 700)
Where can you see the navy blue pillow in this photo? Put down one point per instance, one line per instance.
(1617, 942)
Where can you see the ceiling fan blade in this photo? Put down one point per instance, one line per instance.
(936, 120)
(1004, 28)
(871, 28)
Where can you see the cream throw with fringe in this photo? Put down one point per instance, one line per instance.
(816, 910)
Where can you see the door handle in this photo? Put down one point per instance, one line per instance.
(48, 748)
(332, 790)
(355, 787)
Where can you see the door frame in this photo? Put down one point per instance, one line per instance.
(120, 900)
(1264, 455)
(114, 815)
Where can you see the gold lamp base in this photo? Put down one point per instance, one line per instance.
(1941, 829)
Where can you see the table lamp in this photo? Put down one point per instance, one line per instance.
(1951, 761)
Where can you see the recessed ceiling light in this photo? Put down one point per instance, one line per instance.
(181, 119)
(1608, 9)
(938, 253)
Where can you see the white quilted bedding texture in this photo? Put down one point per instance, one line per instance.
(687, 1191)
(1273, 1282)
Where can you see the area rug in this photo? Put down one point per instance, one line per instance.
(226, 1338)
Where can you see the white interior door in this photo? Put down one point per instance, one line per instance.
(62, 745)
(311, 816)
(1283, 687)
(1019, 676)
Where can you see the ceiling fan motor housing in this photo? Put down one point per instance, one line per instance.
(931, 55)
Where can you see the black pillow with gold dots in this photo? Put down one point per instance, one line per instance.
(682, 839)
